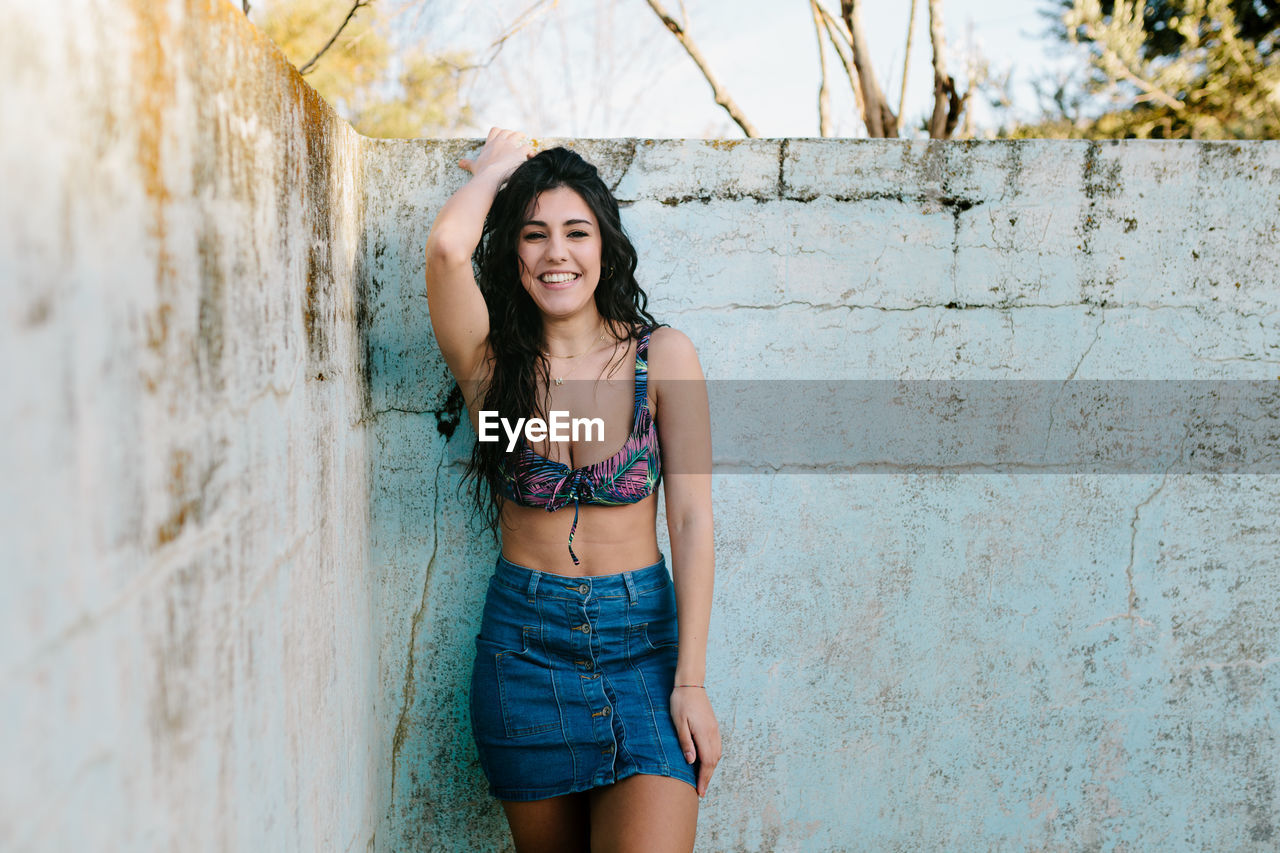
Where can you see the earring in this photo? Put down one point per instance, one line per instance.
(608, 272)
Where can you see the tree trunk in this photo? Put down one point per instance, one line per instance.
(906, 57)
(880, 120)
(824, 99)
(947, 103)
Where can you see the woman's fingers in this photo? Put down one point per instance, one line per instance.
(503, 151)
(498, 136)
(708, 746)
(698, 733)
(686, 741)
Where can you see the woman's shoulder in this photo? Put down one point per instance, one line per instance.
(672, 354)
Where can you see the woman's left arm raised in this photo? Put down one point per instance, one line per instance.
(684, 429)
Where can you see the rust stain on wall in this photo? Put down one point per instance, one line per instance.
(210, 332)
(186, 506)
(154, 98)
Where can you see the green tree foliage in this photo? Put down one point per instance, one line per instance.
(382, 90)
(1256, 19)
(1178, 69)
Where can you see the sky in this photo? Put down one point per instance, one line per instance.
(608, 68)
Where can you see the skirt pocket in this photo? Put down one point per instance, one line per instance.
(520, 682)
(661, 634)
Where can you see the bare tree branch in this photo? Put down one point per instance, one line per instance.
(971, 74)
(722, 97)
(947, 103)
(246, 8)
(844, 48)
(527, 17)
(824, 98)
(684, 14)
(523, 20)
(355, 7)
(881, 122)
(906, 60)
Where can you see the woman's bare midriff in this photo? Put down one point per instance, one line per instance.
(609, 540)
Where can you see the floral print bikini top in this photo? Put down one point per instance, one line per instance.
(626, 477)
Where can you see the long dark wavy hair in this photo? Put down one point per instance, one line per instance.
(515, 323)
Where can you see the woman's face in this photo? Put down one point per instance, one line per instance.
(559, 249)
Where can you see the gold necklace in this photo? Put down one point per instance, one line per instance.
(560, 380)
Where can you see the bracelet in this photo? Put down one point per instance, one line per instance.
(699, 686)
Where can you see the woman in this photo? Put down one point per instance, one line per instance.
(588, 701)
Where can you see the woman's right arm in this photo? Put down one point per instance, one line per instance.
(458, 314)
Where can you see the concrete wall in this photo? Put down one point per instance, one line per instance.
(185, 629)
(911, 658)
(242, 585)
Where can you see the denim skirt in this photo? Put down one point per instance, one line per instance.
(572, 681)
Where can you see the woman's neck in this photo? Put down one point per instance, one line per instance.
(571, 335)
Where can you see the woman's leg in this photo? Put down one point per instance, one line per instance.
(552, 825)
(644, 814)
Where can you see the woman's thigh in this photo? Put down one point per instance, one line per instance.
(552, 825)
(644, 814)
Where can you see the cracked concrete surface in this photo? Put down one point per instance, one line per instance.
(249, 583)
(950, 640)
(187, 607)
(409, 687)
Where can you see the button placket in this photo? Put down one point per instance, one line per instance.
(586, 634)
(595, 694)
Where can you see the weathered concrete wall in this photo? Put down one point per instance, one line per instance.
(242, 585)
(908, 660)
(185, 628)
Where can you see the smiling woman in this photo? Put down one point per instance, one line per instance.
(560, 254)
(587, 700)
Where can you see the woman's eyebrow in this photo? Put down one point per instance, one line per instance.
(541, 224)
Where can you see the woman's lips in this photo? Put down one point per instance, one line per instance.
(559, 285)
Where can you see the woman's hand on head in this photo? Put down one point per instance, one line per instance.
(503, 151)
(698, 731)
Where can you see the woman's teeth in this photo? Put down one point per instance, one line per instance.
(557, 277)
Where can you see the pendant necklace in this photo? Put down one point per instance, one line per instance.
(559, 380)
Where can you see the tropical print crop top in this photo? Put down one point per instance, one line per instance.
(626, 477)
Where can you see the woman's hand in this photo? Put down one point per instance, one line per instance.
(503, 151)
(698, 731)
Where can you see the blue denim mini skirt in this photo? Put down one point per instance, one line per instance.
(572, 681)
